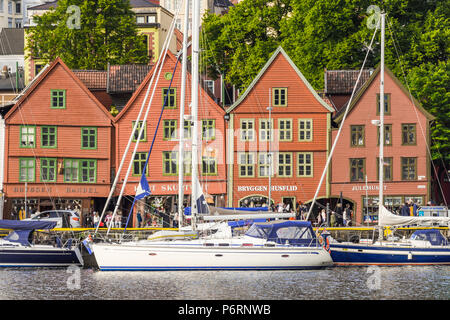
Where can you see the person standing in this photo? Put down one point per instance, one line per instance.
(96, 219)
(139, 219)
(339, 215)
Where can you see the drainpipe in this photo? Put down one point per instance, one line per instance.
(2, 163)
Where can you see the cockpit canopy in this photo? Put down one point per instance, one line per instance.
(292, 231)
(432, 235)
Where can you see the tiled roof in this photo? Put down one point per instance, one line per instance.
(343, 81)
(126, 78)
(223, 3)
(11, 41)
(45, 6)
(93, 79)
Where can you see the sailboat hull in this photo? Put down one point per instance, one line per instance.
(39, 257)
(122, 257)
(357, 254)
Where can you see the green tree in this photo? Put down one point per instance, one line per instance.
(429, 83)
(106, 32)
(239, 43)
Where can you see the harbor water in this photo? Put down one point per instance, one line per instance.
(341, 283)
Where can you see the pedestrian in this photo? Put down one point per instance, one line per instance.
(108, 219)
(404, 211)
(333, 219)
(415, 208)
(323, 214)
(14, 213)
(22, 213)
(96, 219)
(139, 219)
(118, 220)
(339, 215)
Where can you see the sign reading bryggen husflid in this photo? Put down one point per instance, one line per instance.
(289, 142)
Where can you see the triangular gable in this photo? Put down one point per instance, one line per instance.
(362, 90)
(146, 81)
(35, 83)
(264, 69)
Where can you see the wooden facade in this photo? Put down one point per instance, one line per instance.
(58, 144)
(299, 144)
(163, 166)
(407, 164)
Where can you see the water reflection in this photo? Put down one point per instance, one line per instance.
(401, 283)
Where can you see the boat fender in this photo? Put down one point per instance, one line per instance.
(325, 242)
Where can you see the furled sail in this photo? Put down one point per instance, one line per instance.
(387, 218)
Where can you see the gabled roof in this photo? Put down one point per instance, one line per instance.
(263, 70)
(343, 81)
(43, 74)
(11, 41)
(340, 114)
(144, 83)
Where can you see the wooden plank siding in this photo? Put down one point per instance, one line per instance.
(161, 184)
(302, 103)
(362, 111)
(81, 109)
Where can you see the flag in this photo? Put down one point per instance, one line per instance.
(200, 200)
(143, 188)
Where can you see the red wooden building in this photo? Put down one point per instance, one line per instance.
(163, 164)
(58, 145)
(407, 164)
(292, 139)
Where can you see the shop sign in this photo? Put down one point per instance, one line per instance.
(265, 188)
(367, 188)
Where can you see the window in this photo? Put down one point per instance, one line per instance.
(187, 160)
(151, 19)
(48, 137)
(305, 129)
(387, 168)
(18, 23)
(37, 68)
(48, 170)
(264, 164)
(246, 163)
(58, 99)
(88, 138)
(138, 128)
(71, 170)
(209, 129)
(387, 135)
(265, 129)
(209, 84)
(27, 169)
(305, 164)
(357, 136)
(1, 5)
(247, 129)
(285, 164)
(409, 168)
(409, 134)
(27, 136)
(140, 19)
(279, 97)
(357, 169)
(169, 98)
(80, 170)
(139, 162)
(387, 103)
(285, 129)
(88, 171)
(187, 129)
(10, 22)
(209, 166)
(170, 163)
(169, 129)
(18, 7)
(10, 7)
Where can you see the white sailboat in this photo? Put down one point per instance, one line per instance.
(275, 245)
(424, 247)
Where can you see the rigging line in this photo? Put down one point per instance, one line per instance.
(417, 117)
(156, 73)
(342, 123)
(154, 136)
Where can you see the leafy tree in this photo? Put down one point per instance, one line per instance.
(429, 83)
(106, 32)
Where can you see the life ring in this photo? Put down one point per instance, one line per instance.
(321, 240)
(327, 244)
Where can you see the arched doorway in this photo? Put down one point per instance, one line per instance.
(254, 201)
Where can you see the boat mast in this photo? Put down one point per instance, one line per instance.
(181, 127)
(194, 108)
(270, 149)
(381, 160)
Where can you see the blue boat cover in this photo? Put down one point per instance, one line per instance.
(434, 236)
(26, 225)
(22, 229)
(294, 232)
